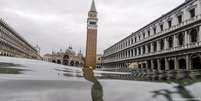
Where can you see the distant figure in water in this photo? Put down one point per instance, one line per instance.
(96, 90)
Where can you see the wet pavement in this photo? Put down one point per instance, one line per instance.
(32, 80)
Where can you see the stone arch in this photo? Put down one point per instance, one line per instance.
(182, 63)
(196, 62)
(72, 63)
(58, 61)
(194, 35)
(65, 60)
(77, 63)
(54, 61)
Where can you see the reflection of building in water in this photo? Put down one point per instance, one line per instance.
(68, 57)
(171, 42)
(98, 61)
(14, 45)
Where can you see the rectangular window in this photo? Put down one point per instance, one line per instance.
(192, 12)
(179, 19)
(143, 35)
(170, 23)
(148, 33)
(161, 26)
(154, 29)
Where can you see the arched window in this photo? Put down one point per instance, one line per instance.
(181, 39)
(196, 62)
(194, 35)
(170, 42)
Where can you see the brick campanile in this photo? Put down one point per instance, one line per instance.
(91, 43)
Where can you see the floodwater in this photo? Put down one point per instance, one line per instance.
(32, 80)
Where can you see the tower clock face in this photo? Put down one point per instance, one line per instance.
(92, 24)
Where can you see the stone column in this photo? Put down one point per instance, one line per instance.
(175, 40)
(146, 48)
(167, 67)
(165, 44)
(152, 65)
(146, 65)
(141, 50)
(176, 63)
(188, 63)
(137, 51)
(199, 34)
(152, 48)
(186, 37)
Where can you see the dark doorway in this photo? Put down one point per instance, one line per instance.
(149, 64)
(144, 66)
(77, 63)
(162, 64)
(171, 64)
(182, 64)
(155, 65)
(53, 61)
(65, 62)
(72, 63)
(58, 61)
(196, 62)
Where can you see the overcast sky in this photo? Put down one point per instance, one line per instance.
(55, 24)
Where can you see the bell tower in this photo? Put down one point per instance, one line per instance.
(91, 43)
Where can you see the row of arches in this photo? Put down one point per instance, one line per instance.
(160, 64)
(66, 61)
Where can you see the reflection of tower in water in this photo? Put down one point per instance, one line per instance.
(96, 89)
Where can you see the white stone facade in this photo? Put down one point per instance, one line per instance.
(171, 42)
(12, 44)
(68, 57)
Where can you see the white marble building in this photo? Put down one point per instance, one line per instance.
(12, 44)
(171, 42)
(67, 57)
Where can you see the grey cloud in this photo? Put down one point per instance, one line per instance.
(54, 24)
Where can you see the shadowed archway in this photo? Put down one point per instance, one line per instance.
(182, 64)
(65, 60)
(196, 62)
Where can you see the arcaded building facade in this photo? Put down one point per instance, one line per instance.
(67, 57)
(171, 42)
(14, 45)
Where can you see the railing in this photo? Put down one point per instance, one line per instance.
(178, 48)
(184, 23)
